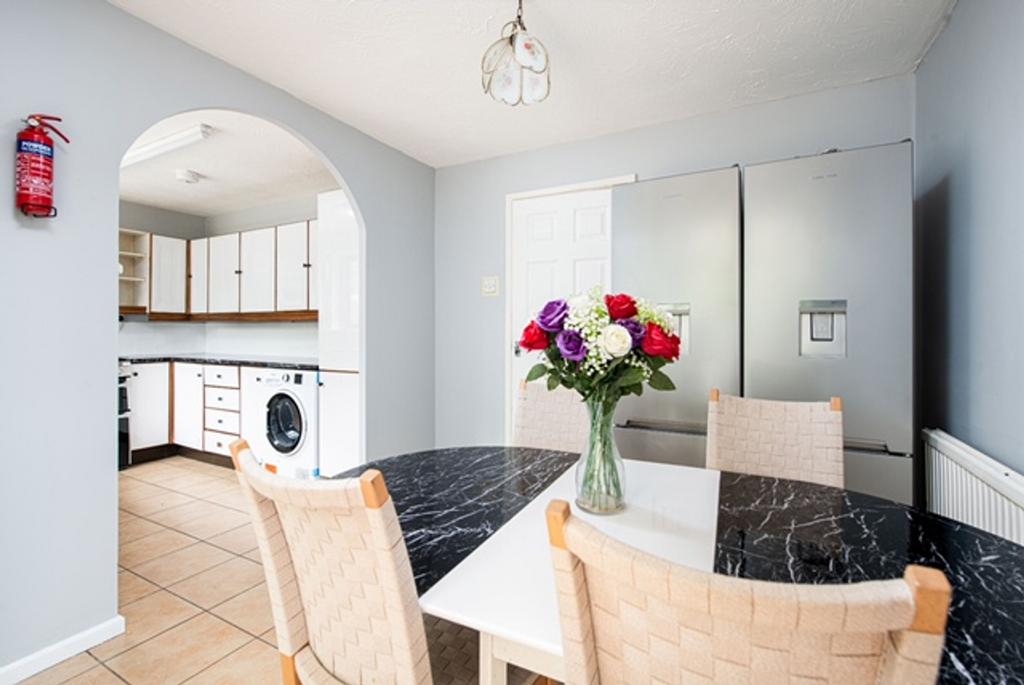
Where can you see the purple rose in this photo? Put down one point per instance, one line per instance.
(552, 317)
(636, 330)
(570, 344)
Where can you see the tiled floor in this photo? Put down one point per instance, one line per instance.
(190, 586)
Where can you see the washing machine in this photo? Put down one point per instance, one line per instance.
(279, 420)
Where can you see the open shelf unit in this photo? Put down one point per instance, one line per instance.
(133, 279)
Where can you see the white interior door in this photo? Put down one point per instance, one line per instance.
(197, 276)
(257, 283)
(292, 276)
(561, 245)
(312, 259)
(223, 273)
(167, 275)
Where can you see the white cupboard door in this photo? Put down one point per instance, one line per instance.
(311, 260)
(167, 275)
(257, 266)
(292, 273)
(341, 443)
(223, 273)
(197, 276)
(561, 245)
(338, 272)
(149, 400)
(188, 405)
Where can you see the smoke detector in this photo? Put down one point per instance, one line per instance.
(187, 175)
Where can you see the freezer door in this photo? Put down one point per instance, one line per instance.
(675, 241)
(828, 286)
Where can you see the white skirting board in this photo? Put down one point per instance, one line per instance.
(971, 487)
(41, 660)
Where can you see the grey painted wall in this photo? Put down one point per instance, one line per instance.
(470, 216)
(162, 221)
(58, 494)
(970, 150)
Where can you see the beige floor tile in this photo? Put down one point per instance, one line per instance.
(129, 489)
(254, 664)
(233, 499)
(149, 505)
(185, 482)
(210, 526)
(125, 516)
(249, 611)
(152, 472)
(99, 675)
(137, 528)
(238, 540)
(180, 564)
(196, 508)
(211, 486)
(179, 653)
(270, 637)
(145, 618)
(220, 583)
(142, 550)
(131, 587)
(254, 555)
(63, 671)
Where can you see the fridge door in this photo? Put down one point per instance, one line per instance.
(828, 287)
(675, 241)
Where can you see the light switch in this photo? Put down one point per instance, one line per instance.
(823, 327)
(489, 286)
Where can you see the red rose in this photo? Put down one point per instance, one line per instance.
(620, 306)
(534, 338)
(658, 343)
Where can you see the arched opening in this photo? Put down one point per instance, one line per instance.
(240, 286)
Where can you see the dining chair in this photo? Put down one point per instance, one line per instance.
(341, 587)
(629, 617)
(550, 419)
(796, 440)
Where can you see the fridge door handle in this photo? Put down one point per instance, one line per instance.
(663, 426)
(866, 445)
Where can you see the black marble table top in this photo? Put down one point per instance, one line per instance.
(261, 361)
(450, 500)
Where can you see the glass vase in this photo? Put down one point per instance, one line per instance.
(600, 473)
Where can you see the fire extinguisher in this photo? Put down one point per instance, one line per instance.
(33, 168)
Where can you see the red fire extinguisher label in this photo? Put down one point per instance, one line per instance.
(34, 168)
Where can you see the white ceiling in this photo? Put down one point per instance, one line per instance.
(408, 71)
(245, 162)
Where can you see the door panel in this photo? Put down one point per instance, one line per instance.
(312, 258)
(834, 227)
(198, 276)
(167, 275)
(223, 273)
(256, 262)
(676, 241)
(188, 405)
(560, 246)
(149, 399)
(340, 422)
(292, 274)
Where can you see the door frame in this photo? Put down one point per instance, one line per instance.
(510, 198)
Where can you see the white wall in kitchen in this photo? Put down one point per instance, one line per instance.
(278, 339)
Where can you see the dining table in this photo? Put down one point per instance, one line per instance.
(474, 527)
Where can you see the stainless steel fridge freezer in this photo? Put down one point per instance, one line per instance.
(828, 298)
(676, 242)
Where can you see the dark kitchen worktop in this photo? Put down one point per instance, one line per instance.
(262, 361)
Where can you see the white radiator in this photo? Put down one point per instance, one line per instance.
(972, 488)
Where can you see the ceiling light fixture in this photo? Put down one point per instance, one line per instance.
(168, 143)
(515, 67)
(187, 175)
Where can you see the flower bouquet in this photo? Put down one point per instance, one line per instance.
(603, 348)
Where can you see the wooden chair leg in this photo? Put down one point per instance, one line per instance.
(289, 676)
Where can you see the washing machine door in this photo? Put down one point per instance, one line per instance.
(284, 423)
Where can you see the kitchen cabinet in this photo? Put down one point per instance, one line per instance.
(223, 273)
(341, 440)
(256, 264)
(149, 400)
(338, 271)
(133, 278)
(312, 258)
(188, 405)
(293, 278)
(197, 275)
(167, 275)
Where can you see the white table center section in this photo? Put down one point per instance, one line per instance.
(505, 589)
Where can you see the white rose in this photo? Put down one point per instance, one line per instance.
(615, 340)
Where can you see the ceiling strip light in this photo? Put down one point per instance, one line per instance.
(168, 143)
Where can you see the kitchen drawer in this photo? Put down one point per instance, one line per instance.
(218, 443)
(221, 398)
(223, 421)
(221, 376)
